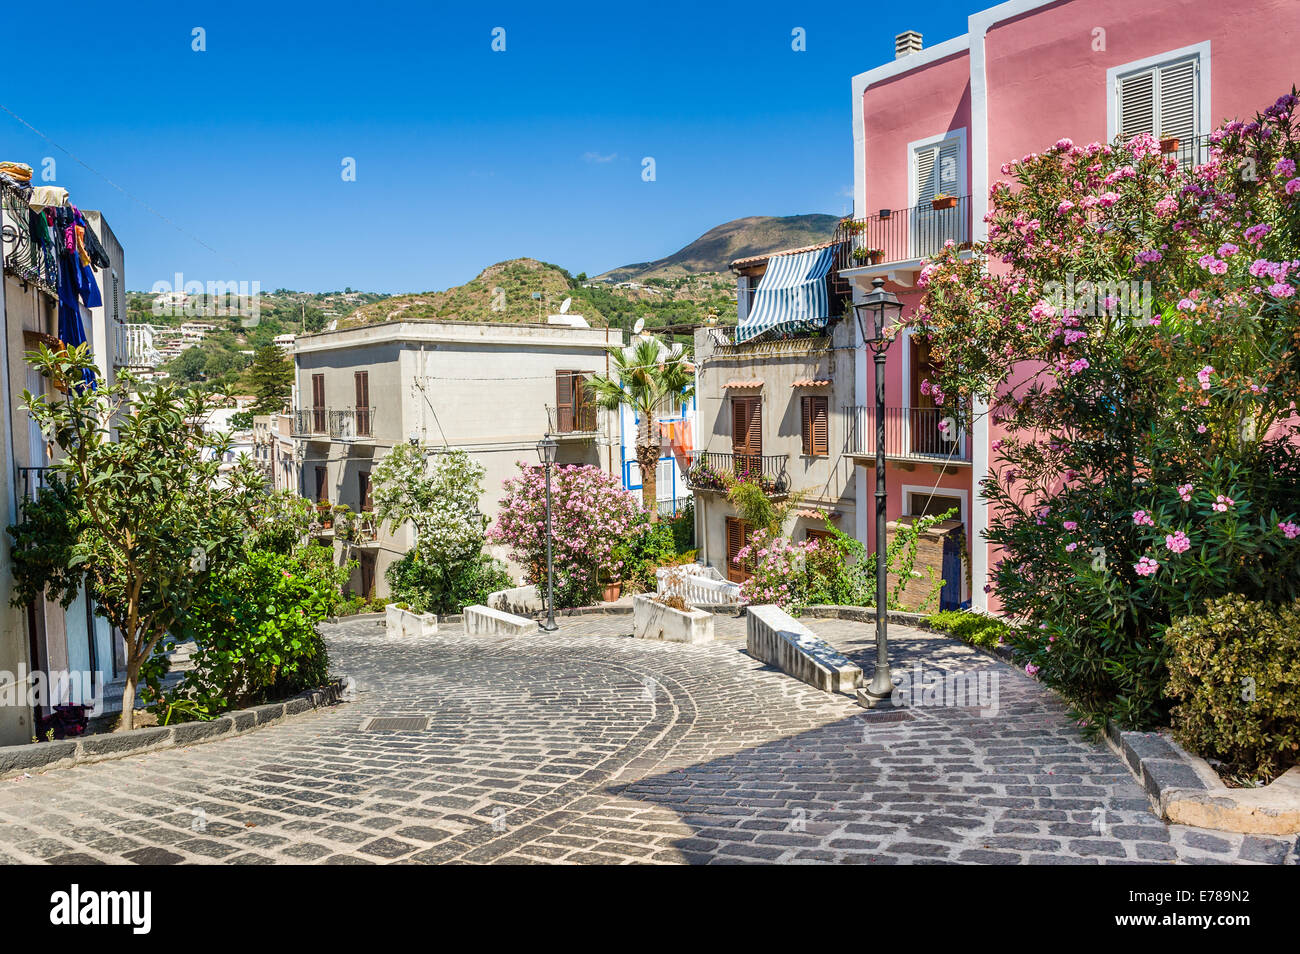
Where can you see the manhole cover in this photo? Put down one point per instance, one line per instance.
(894, 716)
(396, 724)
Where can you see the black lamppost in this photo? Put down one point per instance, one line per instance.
(875, 312)
(546, 449)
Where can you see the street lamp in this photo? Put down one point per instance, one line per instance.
(874, 313)
(546, 449)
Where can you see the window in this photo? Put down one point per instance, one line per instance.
(364, 500)
(811, 534)
(938, 167)
(322, 485)
(926, 505)
(362, 379)
(1162, 100)
(815, 420)
(318, 403)
(738, 534)
(574, 408)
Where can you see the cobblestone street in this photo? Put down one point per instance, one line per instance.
(590, 747)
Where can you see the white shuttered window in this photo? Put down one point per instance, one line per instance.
(1161, 100)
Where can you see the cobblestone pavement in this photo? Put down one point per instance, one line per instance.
(589, 746)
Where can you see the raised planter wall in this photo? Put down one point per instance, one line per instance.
(485, 621)
(519, 601)
(778, 639)
(402, 622)
(653, 620)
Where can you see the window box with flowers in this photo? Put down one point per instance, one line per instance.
(943, 201)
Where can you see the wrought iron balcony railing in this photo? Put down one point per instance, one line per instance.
(25, 257)
(345, 424)
(710, 471)
(571, 420)
(911, 433)
(902, 235)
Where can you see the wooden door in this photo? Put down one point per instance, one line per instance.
(322, 485)
(366, 564)
(362, 380)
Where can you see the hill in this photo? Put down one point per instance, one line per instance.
(717, 248)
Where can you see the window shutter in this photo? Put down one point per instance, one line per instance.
(948, 176)
(820, 435)
(318, 390)
(739, 424)
(755, 441)
(738, 533)
(1178, 100)
(564, 401)
(926, 174)
(1137, 104)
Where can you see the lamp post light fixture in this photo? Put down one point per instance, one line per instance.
(875, 313)
(546, 449)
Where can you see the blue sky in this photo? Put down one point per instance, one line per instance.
(464, 156)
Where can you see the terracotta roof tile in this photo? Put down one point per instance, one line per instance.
(752, 383)
(811, 383)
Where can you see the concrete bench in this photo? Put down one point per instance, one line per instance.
(485, 621)
(778, 639)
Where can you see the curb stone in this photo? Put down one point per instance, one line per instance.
(1184, 789)
(17, 759)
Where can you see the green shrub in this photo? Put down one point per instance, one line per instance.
(974, 628)
(254, 625)
(647, 547)
(427, 587)
(1234, 674)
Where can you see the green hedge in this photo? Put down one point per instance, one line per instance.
(974, 628)
(1234, 673)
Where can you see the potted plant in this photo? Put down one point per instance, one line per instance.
(324, 515)
(611, 590)
(872, 255)
(943, 200)
(1169, 144)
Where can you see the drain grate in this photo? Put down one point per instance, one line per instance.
(894, 716)
(396, 724)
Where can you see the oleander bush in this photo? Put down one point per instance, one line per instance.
(1235, 682)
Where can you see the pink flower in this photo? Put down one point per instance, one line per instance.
(1222, 503)
(1071, 547)
(1145, 566)
(1185, 491)
(1142, 518)
(1292, 186)
(1177, 542)
(1031, 669)
(1203, 376)
(1290, 529)
(1070, 525)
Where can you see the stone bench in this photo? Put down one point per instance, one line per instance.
(485, 621)
(778, 639)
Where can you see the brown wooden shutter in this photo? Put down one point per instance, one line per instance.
(362, 379)
(321, 480)
(318, 403)
(363, 479)
(805, 426)
(738, 533)
(747, 426)
(820, 414)
(564, 401)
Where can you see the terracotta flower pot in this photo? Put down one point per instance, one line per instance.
(1169, 145)
(946, 202)
(613, 591)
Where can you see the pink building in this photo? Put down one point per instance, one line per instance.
(941, 121)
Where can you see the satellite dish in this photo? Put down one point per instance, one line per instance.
(637, 328)
(564, 306)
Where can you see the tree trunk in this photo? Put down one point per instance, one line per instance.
(127, 722)
(647, 458)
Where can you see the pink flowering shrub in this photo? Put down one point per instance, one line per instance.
(591, 517)
(1133, 327)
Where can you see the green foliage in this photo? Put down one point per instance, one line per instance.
(683, 527)
(271, 376)
(987, 632)
(647, 547)
(1234, 674)
(141, 519)
(241, 420)
(254, 624)
(278, 522)
(427, 587)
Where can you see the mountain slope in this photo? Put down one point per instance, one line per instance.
(717, 248)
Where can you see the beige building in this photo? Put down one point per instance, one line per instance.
(44, 636)
(773, 407)
(490, 389)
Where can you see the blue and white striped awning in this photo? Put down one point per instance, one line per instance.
(791, 296)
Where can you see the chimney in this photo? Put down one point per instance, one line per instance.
(906, 43)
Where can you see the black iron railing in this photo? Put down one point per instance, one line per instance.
(713, 471)
(345, 424)
(901, 235)
(910, 432)
(24, 256)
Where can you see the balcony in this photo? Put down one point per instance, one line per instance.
(570, 421)
(911, 434)
(895, 243)
(24, 257)
(711, 470)
(351, 424)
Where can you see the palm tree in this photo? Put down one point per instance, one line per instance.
(645, 376)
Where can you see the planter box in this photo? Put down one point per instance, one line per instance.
(653, 620)
(402, 622)
(485, 621)
(519, 601)
(947, 202)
